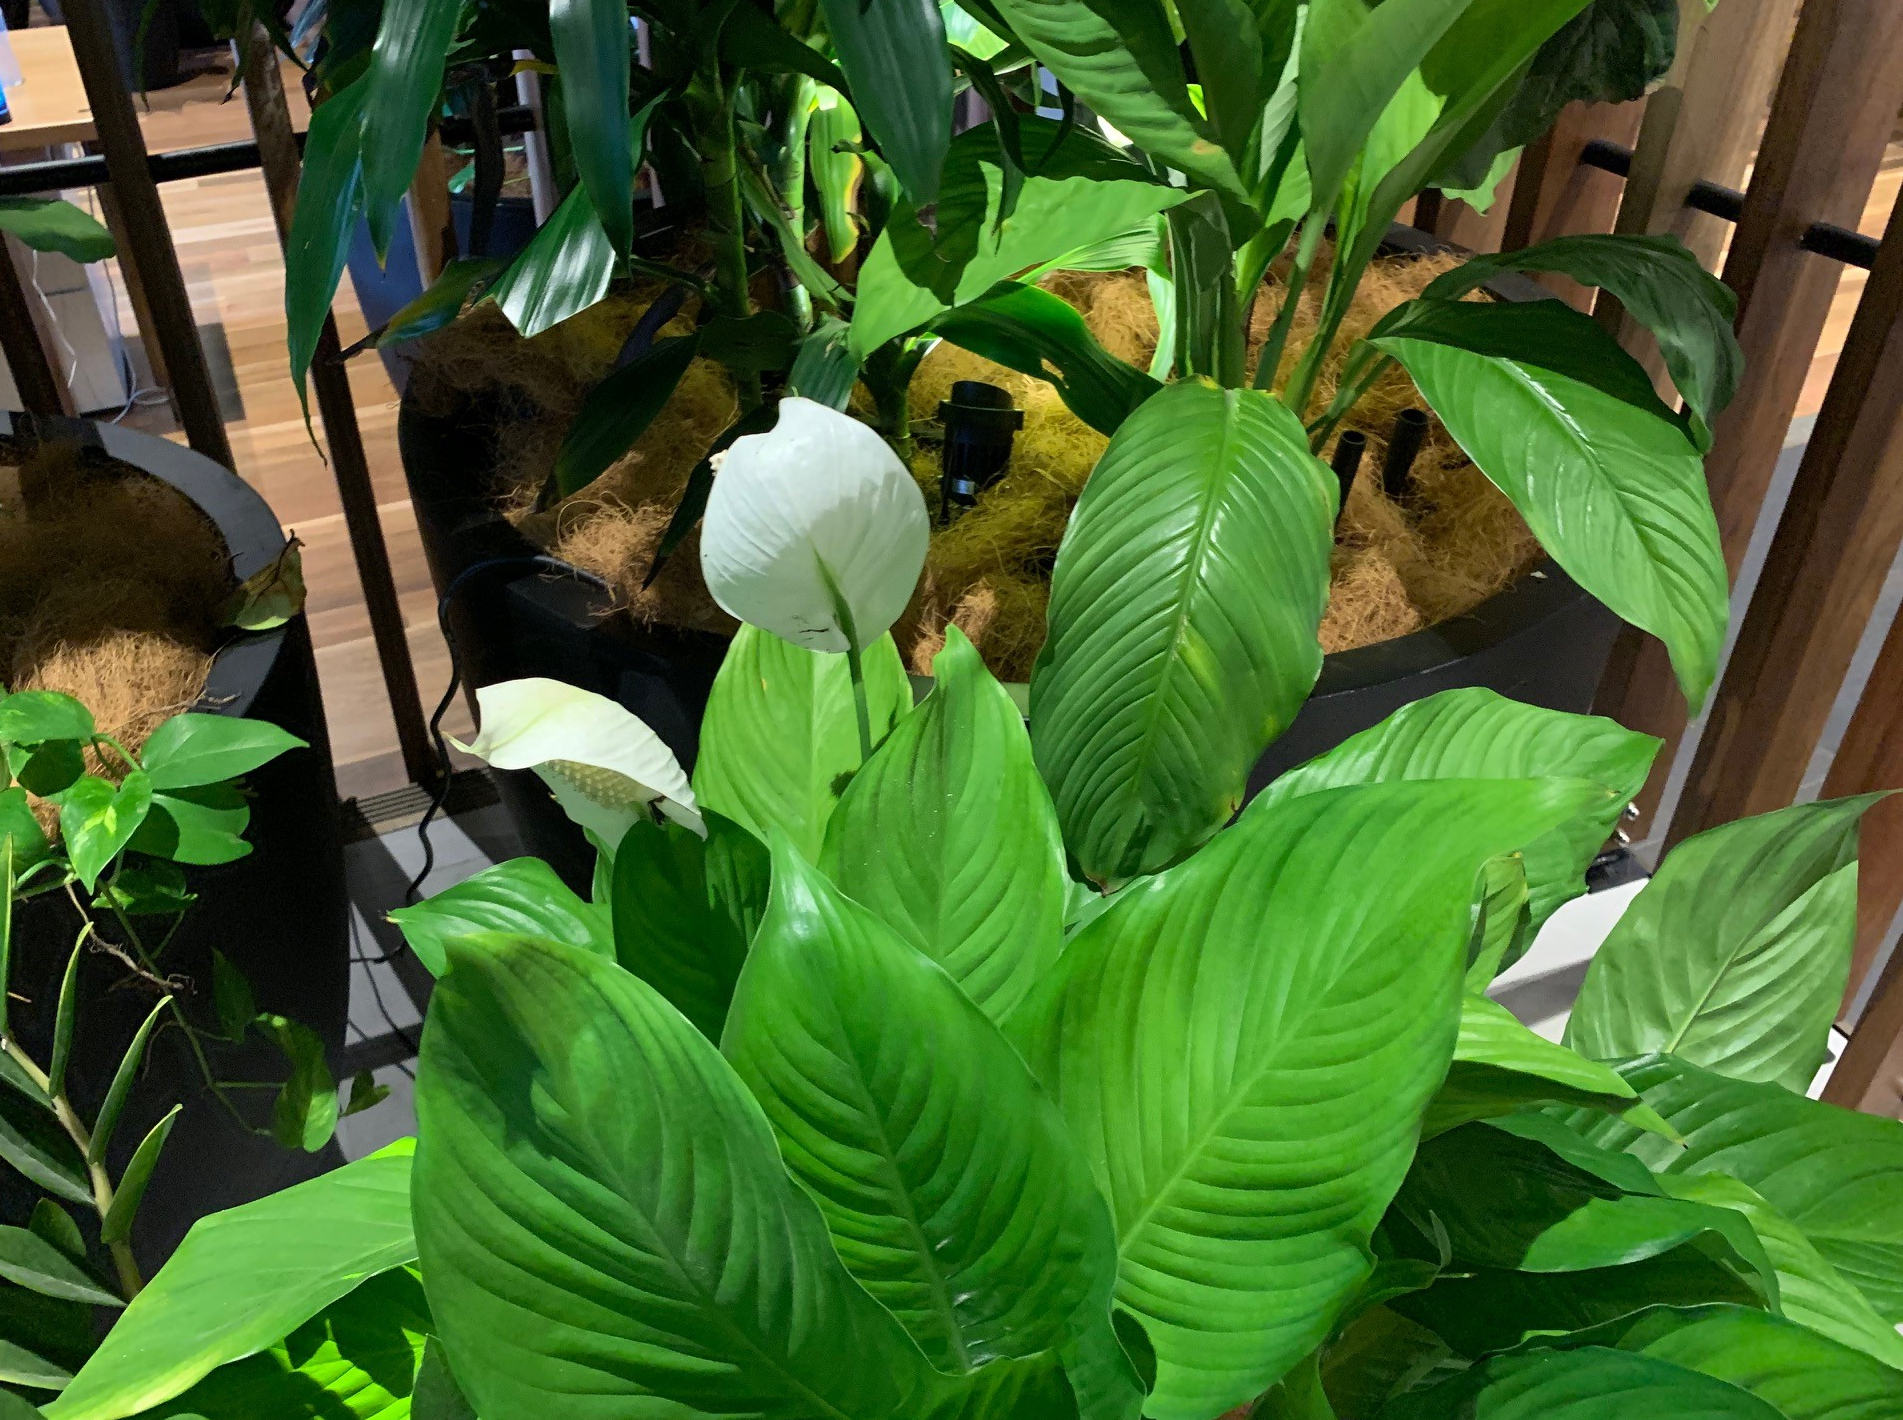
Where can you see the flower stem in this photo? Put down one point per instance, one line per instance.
(855, 667)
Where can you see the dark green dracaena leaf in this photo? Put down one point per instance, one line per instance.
(565, 268)
(403, 86)
(948, 835)
(1735, 955)
(752, 39)
(464, 279)
(1661, 285)
(1835, 1174)
(244, 1279)
(1592, 1383)
(1616, 493)
(1184, 608)
(619, 410)
(329, 201)
(54, 224)
(1298, 1028)
(780, 739)
(1477, 734)
(523, 896)
(836, 173)
(898, 71)
(685, 909)
(947, 1178)
(570, 1258)
(194, 749)
(594, 50)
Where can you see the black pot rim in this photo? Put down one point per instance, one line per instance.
(245, 521)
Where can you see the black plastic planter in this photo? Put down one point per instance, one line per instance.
(513, 612)
(280, 914)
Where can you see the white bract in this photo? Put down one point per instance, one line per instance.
(604, 766)
(814, 531)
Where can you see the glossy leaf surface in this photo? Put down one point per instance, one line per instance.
(522, 896)
(565, 268)
(1592, 1383)
(894, 56)
(593, 50)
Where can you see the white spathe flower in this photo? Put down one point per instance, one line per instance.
(814, 531)
(604, 765)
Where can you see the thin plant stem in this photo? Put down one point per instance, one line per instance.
(855, 667)
(1364, 366)
(1270, 360)
(715, 141)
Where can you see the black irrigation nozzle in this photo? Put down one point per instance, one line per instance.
(1349, 449)
(1404, 445)
(980, 424)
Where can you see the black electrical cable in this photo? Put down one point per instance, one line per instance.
(376, 994)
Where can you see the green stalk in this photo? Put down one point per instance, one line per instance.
(790, 179)
(1364, 366)
(714, 140)
(1270, 361)
(1343, 278)
(855, 667)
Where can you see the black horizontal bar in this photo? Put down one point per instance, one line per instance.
(27, 179)
(1826, 239)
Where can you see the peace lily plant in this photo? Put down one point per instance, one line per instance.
(852, 1091)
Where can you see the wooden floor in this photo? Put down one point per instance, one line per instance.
(229, 253)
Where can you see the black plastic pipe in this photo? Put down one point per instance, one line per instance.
(1349, 450)
(1404, 445)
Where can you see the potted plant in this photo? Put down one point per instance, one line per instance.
(887, 1114)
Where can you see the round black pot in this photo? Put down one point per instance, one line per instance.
(280, 914)
(512, 612)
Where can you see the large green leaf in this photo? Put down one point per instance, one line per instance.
(1503, 924)
(1661, 284)
(1810, 1291)
(1734, 956)
(244, 1279)
(565, 268)
(97, 818)
(946, 1175)
(780, 739)
(29, 1260)
(836, 173)
(403, 87)
(1119, 57)
(54, 224)
(1183, 617)
(603, 1216)
(1804, 1375)
(1036, 333)
(1477, 734)
(1837, 1175)
(1244, 1045)
(1078, 191)
(619, 410)
(1500, 1066)
(522, 896)
(593, 43)
(684, 910)
(1592, 1383)
(949, 836)
(329, 201)
(193, 749)
(40, 1150)
(894, 55)
(1615, 494)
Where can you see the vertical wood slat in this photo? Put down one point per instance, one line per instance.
(148, 245)
(1834, 546)
(1556, 195)
(278, 155)
(1835, 107)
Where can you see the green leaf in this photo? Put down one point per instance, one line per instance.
(437, 1396)
(203, 826)
(50, 769)
(1616, 495)
(65, 1021)
(1297, 1027)
(30, 1261)
(836, 173)
(464, 278)
(824, 367)
(1503, 924)
(1803, 1375)
(40, 1150)
(305, 1113)
(122, 1082)
(53, 224)
(1836, 1174)
(1036, 333)
(192, 749)
(592, 43)
(365, 1094)
(20, 1365)
(1500, 1066)
(948, 835)
(1811, 1292)
(329, 202)
(572, 1262)
(522, 896)
(1661, 285)
(155, 889)
(565, 268)
(1077, 190)
(1476, 734)
(947, 1178)
(750, 345)
(1592, 1383)
(270, 596)
(245, 1278)
(1504, 1201)
(685, 909)
(1119, 57)
(899, 74)
(20, 830)
(780, 739)
(45, 1341)
(1734, 956)
(231, 997)
(56, 1226)
(116, 1226)
(1183, 614)
(402, 90)
(31, 717)
(751, 39)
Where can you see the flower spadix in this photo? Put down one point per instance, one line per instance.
(604, 765)
(814, 530)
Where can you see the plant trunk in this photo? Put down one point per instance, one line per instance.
(726, 216)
